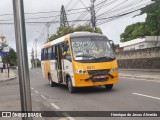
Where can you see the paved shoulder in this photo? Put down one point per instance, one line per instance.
(140, 74)
(4, 76)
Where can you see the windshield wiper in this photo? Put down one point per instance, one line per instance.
(88, 56)
(105, 57)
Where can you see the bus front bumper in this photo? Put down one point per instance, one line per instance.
(86, 82)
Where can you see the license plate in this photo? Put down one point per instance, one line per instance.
(101, 76)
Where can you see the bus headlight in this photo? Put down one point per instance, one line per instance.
(114, 69)
(80, 71)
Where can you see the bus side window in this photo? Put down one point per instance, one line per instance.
(42, 54)
(49, 53)
(53, 54)
(66, 51)
(46, 54)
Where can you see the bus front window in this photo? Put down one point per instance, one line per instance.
(92, 48)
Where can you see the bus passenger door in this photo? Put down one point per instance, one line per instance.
(53, 65)
(59, 63)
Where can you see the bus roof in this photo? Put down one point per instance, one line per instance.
(71, 35)
(56, 41)
(83, 34)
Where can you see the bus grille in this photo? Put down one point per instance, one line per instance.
(93, 72)
(99, 79)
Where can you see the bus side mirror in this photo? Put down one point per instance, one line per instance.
(112, 44)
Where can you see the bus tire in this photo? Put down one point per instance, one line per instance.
(71, 89)
(109, 87)
(51, 83)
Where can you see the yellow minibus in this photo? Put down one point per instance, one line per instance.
(80, 59)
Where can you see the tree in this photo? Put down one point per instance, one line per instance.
(11, 58)
(33, 62)
(61, 31)
(151, 26)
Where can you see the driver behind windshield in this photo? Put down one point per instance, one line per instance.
(98, 49)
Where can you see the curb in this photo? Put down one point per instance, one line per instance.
(147, 78)
(8, 79)
(142, 70)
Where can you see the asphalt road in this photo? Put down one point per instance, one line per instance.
(129, 95)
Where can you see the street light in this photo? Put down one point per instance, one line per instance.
(36, 52)
(36, 58)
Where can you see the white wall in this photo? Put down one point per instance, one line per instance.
(141, 43)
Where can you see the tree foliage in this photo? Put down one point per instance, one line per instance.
(11, 58)
(33, 62)
(151, 26)
(66, 30)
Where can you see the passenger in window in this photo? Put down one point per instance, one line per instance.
(65, 48)
(66, 51)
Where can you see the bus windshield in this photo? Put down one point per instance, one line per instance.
(92, 48)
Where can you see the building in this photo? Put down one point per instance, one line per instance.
(141, 43)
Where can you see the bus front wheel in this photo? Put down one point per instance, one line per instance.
(51, 83)
(71, 89)
(109, 87)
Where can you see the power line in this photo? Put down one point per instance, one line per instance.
(116, 16)
(85, 6)
(121, 11)
(97, 6)
(105, 5)
(102, 4)
(68, 4)
(44, 17)
(74, 5)
(115, 10)
(9, 14)
(112, 8)
(81, 17)
(81, 20)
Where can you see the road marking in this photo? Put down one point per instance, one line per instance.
(32, 88)
(55, 106)
(68, 116)
(36, 91)
(142, 79)
(32, 94)
(43, 97)
(146, 96)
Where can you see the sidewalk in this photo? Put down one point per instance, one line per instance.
(148, 74)
(4, 75)
(10, 99)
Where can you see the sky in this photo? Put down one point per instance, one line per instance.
(112, 29)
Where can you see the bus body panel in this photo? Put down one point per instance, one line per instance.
(46, 68)
(68, 70)
(80, 78)
(42, 67)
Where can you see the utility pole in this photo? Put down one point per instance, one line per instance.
(21, 46)
(36, 53)
(48, 26)
(32, 57)
(93, 15)
(63, 18)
